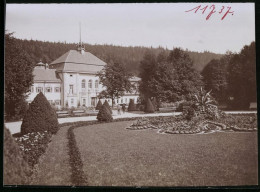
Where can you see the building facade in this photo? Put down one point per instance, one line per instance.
(71, 81)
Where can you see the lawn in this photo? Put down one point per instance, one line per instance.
(115, 156)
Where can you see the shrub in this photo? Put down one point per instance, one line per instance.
(40, 117)
(155, 104)
(107, 105)
(141, 107)
(99, 105)
(16, 169)
(131, 106)
(104, 114)
(149, 108)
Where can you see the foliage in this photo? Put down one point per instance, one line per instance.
(40, 117)
(131, 106)
(149, 108)
(18, 77)
(16, 170)
(242, 77)
(99, 105)
(156, 104)
(215, 77)
(104, 114)
(107, 106)
(168, 77)
(34, 145)
(115, 78)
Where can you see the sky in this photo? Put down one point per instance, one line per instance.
(137, 24)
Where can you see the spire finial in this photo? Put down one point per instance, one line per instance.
(80, 46)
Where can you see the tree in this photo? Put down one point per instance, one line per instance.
(115, 78)
(107, 106)
(215, 79)
(168, 78)
(40, 116)
(104, 114)
(149, 108)
(99, 105)
(131, 106)
(242, 77)
(18, 77)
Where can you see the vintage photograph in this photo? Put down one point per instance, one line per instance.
(130, 95)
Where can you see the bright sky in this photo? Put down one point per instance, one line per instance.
(166, 25)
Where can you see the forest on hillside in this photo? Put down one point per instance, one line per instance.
(130, 56)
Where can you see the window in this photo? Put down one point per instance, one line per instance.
(32, 89)
(71, 89)
(83, 84)
(122, 100)
(125, 100)
(72, 101)
(90, 84)
(39, 89)
(57, 102)
(96, 84)
(57, 89)
(84, 102)
(48, 89)
(117, 100)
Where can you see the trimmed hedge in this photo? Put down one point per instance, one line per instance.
(99, 105)
(40, 117)
(149, 108)
(104, 114)
(16, 169)
(107, 106)
(131, 106)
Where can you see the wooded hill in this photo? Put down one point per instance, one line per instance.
(130, 56)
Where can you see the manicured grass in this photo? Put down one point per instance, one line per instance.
(115, 156)
(53, 167)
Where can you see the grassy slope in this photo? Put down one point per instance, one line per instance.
(53, 167)
(115, 156)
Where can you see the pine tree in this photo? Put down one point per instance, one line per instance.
(104, 114)
(131, 106)
(40, 116)
(99, 105)
(149, 108)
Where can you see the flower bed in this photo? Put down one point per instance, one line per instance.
(200, 124)
(33, 145)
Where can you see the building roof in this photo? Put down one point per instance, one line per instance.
(47, 75)
(76, 61)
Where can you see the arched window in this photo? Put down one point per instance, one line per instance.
(90, 84)
(83, 84)
(96, 84)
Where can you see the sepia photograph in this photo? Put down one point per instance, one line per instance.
(130, 95)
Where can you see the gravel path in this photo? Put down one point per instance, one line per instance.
(54, 167)
(15, 127)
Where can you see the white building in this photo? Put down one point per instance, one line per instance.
(71, 81)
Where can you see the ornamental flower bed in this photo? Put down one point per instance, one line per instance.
(33, 145)
(200, 124)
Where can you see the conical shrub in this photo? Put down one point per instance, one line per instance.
(131, 106)
(104, 114)
(16, 169)
(107, 105)
(99, 105)
(149, 108)
(40, 117)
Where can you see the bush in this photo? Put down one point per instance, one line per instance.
(155, 104)
(149, 108)
(107, 106)
(99, 105)
(16, 169)
(141, 108)
(104, 114)
(40, 117)
(131, 106)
